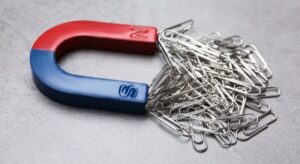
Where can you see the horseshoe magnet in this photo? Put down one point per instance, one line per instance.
(83, 91)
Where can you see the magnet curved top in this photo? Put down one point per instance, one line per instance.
(76, 90)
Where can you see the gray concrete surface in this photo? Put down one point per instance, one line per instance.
(34, 129)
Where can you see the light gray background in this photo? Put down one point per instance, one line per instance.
(34, 129)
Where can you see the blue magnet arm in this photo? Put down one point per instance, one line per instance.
(76, 90)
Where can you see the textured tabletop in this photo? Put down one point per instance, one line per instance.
(34, 129)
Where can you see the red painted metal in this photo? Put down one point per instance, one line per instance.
(99, 35)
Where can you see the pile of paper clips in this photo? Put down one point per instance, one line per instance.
(211, 86)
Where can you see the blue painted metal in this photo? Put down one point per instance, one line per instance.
(75, 90)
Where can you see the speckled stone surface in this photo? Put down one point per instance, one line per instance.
(34, 129)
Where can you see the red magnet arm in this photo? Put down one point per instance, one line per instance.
(99, 35)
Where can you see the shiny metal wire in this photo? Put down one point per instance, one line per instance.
(211, 87)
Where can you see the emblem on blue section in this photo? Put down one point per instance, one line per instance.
(128, 91)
